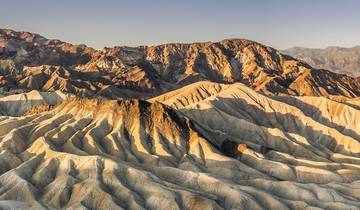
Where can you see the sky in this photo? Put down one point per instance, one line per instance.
(106, 23)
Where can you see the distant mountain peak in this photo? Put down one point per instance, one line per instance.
(338, 59)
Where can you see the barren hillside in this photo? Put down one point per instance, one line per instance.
(218, 147)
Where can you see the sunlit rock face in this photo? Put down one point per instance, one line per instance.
(32, 62)
(205, 146)
(220, 125)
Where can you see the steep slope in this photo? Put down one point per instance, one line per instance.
(94, 154)
(333, 126)
(18, 49)
(226, 147)
(147, 71)
(338, 59)
(292, 139)
(18, 104)
(86, 84)
(237, 60)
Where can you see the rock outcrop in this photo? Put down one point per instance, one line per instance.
(147, 71)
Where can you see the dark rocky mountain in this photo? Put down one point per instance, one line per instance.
(29, 61)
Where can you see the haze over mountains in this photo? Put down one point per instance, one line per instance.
(226, 125)
(338, 59)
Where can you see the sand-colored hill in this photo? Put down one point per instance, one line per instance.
(218, 147)
(333, 124)
(18, 104)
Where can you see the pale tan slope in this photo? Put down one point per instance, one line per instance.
(353, 102)
(242, 102)
(101, 154)
(18, 104)
(299, 139)
(91, 154)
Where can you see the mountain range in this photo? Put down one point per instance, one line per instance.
(31, 62)
(215, 125)
(337, 59)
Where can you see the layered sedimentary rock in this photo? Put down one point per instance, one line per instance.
(212, 146)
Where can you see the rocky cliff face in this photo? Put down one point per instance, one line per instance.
(338, 59)
(142, 72)
(28, 49)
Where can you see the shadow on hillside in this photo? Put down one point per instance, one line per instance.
(315, 113)
(18, 107)
(249, 113)
(288, 123)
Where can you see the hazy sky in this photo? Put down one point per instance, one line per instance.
(98, 23)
